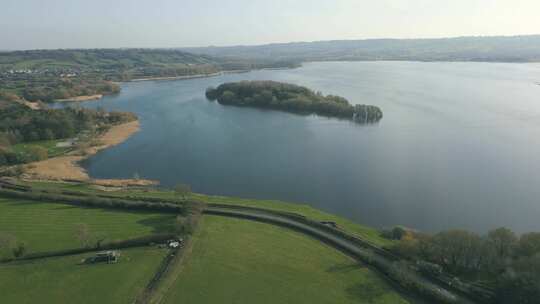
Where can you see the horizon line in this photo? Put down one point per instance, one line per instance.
(268, 44)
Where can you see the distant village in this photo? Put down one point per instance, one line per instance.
(27, 74)
(64, 73)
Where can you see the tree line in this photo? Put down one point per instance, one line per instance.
(20, 124)
(291, 98)
(507, 263)
(50, 89)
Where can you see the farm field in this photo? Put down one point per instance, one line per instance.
(238, 261)
(51, 226)
(63, 280)
(368, 233)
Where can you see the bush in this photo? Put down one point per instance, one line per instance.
(8, 157)
(3, 160)
(38, 153)
(19, 250)
(211, 93)
(396, 233)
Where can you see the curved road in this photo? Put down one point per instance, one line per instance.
(354, 249)
(358, 249)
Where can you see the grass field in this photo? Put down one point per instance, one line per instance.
(238, 261)
(368, 233)
(62, 280)
(232, 261)
(50, 226)
(50, 145)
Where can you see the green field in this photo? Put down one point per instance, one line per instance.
(368, 233)
(63, 280)
(238, 261)
(232, 261)
(50, 145)
(50, 226)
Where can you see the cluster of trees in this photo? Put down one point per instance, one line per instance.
(291, 98)
(59, 88)
(244, 65)
(19, 124)
(32, 154)
(186, 225)
(170, 71)
(510, 263)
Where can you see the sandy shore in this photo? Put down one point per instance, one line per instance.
(31, 105)
(81, 98)
(67, 167)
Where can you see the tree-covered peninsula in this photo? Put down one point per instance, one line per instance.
(291, 98)
(28, 135)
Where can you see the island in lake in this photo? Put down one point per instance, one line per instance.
(291, 98)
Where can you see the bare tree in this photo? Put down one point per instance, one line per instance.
(7, 241)
(82, 232)
(99, 238)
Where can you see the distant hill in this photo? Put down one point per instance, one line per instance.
(118, 63)
(49, 75)
(104, 60)
(490, 49)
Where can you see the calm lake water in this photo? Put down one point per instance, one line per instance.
(459, 144)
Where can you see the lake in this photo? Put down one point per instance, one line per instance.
(458, 147)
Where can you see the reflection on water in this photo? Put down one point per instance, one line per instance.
(459, 144)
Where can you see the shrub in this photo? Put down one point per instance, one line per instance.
(19, 250)
(38, 153)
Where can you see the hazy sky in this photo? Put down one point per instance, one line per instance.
(30, 24)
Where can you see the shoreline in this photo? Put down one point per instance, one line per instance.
(68, 167)
(220, 73)
(176, 77)
(81, 98)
